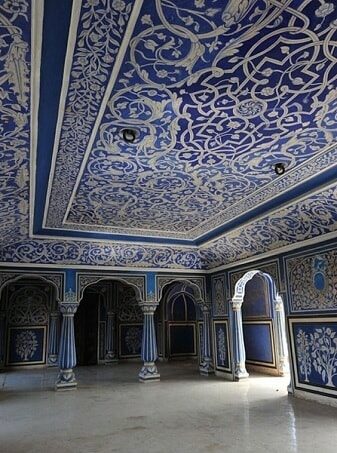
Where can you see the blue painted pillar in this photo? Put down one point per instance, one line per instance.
(206, 366)
(67, 354)
(53, 343)
(283, 363)
(240, 371)
(110, 356)
(149, 354)
(2, 338)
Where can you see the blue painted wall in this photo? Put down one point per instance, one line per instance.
(258, 343)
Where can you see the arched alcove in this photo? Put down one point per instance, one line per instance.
(28, 304)
(108, 321)
(179, 323)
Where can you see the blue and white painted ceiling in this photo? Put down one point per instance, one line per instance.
(217, 91)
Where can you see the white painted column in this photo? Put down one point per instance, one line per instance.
(283, 363)
(240, 371)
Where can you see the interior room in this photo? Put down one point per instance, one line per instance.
(168, 227)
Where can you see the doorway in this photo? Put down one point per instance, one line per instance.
(86, 330)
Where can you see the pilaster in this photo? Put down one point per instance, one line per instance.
(53, 343)
(110, 356)
(206, 367)
(2, 338)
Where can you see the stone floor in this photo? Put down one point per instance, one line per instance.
(111, 412)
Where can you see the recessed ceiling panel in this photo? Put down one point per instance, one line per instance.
(217, 93)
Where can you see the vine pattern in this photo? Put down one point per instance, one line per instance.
(207, 108)
(303, 294)
(219, 296)
(29, 305)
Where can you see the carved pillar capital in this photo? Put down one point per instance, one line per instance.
(278, 304)
(205, 308)
(68, 309)
(236, 304)
(148, 308)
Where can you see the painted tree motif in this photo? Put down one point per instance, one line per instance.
(324, 353)
(303, 354)
(26, 344)
(221, 346)
(133, 340)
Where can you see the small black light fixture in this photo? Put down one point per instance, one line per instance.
(279, 168)
(129, 135)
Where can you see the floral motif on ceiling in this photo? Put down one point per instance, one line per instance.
(316, 215)
(309, 218)
(14, 118)
(218, 94)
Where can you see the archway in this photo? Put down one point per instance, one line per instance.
(178, 319)
(258, 326)
(183, 324)
(108, 323)
(86, 324)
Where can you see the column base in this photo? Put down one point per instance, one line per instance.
(52, 360)
(66, 380)
(149, 373)
(241, 372)
(283, 366)
(206, 368)
(110, 357)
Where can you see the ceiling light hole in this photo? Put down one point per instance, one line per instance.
(279, 168)
(129, 135)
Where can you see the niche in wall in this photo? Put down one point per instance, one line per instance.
(27, 306)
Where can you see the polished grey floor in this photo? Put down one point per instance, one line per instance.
(111, 412)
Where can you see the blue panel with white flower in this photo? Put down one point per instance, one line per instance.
(314, 347)
(221, 346)
(26, 345)
(130, 340)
